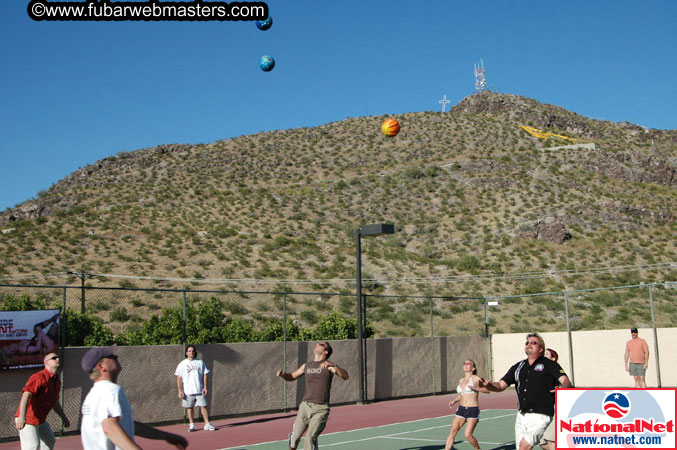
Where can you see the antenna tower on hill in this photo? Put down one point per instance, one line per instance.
(480, 80)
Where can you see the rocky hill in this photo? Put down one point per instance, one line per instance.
(473, 196)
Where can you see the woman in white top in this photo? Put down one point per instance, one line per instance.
(469, 405)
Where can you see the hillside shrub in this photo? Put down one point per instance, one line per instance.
(335, 326)
(11, 302)
(85, 330)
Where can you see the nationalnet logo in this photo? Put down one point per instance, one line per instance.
(616, 405)
(606, 419)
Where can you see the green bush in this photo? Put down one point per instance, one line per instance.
(273, 331)
(206, 322)
(98, 305)
(119, 314)
(235, 308)
(347, 305)
(335, 326)
(309, 316)
(23, 302)
(234, 330)
(533, 287)
(85, 330)
(468, 263)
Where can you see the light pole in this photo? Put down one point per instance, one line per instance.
(378, 229)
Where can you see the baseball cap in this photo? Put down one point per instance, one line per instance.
(633, 330)
(94, 355)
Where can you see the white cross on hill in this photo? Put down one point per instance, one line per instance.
(444, 102)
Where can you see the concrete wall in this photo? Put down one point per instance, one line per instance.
(402, 367)
(243, 376)
(598, 356)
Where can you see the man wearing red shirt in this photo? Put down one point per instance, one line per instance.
(39, 396)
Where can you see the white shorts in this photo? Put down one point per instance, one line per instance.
(530, 427)
(192, 400)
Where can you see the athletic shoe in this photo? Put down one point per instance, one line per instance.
(209, 427)
(191, 427)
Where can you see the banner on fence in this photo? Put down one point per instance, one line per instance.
(27, 336)
(615, 418)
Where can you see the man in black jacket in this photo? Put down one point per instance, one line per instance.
(535, 380)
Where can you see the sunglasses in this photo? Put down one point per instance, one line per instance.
(113, 357)
(532, 343)
(53, 357)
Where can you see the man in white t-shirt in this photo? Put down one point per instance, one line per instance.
(107, 417)
(191, 382)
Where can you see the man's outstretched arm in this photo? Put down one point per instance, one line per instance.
(493, 386)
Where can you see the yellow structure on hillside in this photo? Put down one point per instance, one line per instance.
(544, 135)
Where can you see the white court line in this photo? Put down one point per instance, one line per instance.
(437, 440)
(240, 447)
(411, 439)
(384, 436)
(394, 435)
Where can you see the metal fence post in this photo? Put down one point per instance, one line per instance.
(490, 368)
(432, 344)
(61, 347)
(486, 317)
(571, 347)
(184, 321)
(82, 294)
(365, 368)
(284, 350)
(64, 323)
(655, 336)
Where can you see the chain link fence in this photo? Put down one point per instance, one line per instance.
(616, 307)
(417, 345)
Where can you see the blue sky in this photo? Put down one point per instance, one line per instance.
(76, 92)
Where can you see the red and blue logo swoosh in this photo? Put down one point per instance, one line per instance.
(616, 405)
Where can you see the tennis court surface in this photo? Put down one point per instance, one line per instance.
(421, 423)
(494, 432)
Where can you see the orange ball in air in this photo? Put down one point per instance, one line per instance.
(390, 127)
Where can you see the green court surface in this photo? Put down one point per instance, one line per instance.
(496, 430)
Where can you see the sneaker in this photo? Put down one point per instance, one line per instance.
(191, 427)
(209, 427)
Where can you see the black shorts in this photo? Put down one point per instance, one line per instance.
(468, 412)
